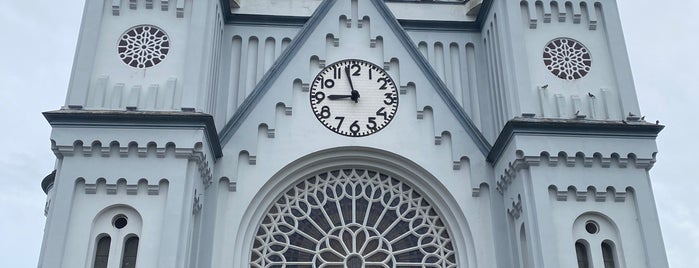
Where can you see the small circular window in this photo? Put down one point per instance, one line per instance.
(143, 46)
(120, 221)
(567, 58)
(591, 227)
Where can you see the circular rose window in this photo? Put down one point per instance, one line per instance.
(143, 46)
(567, 58)
(352, 218)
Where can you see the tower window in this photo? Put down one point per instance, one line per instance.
(608, 255)
(567, 58)
(120, 221)
(591, 227)
(102, 252)
(143, 46)
(130, 252)
(583, 257)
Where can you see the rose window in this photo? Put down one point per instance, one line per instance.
(352, 218)
(567, 58)
(143, 46)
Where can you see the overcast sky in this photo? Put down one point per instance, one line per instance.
(39, 37)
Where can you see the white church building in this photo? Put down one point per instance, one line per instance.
(351, 134)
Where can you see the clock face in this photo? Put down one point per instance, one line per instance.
(354, 98)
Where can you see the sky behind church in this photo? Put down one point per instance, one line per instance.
(39, 38)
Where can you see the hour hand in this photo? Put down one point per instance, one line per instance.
(337, 97)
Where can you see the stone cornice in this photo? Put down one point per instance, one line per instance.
(570, 127)
(193, 153)
(102, 118)
(579, 159)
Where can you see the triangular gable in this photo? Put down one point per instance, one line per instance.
(319, 15)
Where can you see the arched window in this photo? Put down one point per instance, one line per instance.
(102, 252)
(130, 250)
(352, 218)
(608, 255)
(583, 257)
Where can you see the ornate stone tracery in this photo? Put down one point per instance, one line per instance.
(143, 46)
(352, 218)
(567, 58)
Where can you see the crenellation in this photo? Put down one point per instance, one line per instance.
(589, 194)
(121, 187)
(576, 12)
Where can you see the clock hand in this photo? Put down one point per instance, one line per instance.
(337, 97)
(355, 93)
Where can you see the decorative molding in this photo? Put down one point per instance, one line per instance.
(570, 127)
(180, 8)
(151, 120)
(579, 159)
(203, 166)
(197, 205)
(591, 192)
(131, 189)
(164, 5)
(515, 209)
(148, 4)
(546, 8)
(116, 7)
(114, 149)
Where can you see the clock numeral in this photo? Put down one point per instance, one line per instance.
(354, 127)
(319, 96)
(370, 74)
(327, 83)
(389, 99)
(382, 112)
(383, 80)
(356, 69)
(337, 73)
(342, 119)
(372, 122)
(325, 112)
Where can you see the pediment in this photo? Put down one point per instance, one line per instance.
(277, 112)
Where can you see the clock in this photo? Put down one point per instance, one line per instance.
(354, 98)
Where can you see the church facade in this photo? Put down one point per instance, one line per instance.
(351, 133)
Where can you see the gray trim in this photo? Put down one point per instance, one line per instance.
(435, 25)
(266, 20)
(280, 64)
(436, 82)
(138, 119)
(477, 25)
(570, 127)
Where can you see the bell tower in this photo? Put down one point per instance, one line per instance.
(135, 142)
(572, 153)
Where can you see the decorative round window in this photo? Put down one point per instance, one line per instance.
(143, 46)
(567, 58)
(352, 218)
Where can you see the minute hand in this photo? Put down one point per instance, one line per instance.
(355, 93)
